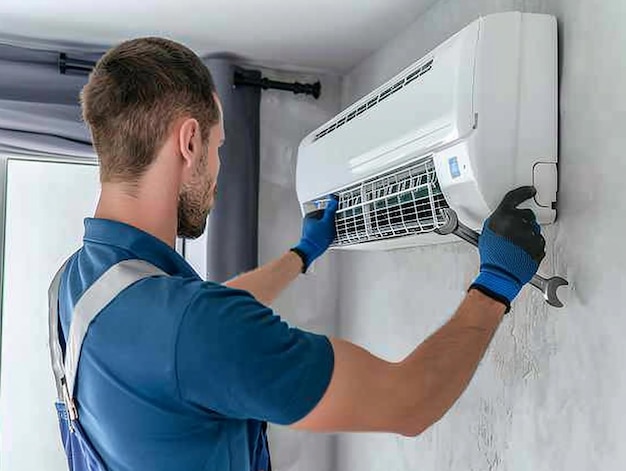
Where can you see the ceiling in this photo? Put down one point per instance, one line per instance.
(330, 35)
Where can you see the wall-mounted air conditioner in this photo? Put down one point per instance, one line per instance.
(459, 128)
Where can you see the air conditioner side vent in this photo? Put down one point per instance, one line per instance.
(409, 77)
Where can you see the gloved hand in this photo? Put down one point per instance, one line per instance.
(511, 248)
(318, 232)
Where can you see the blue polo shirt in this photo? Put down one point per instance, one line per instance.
(178, 374)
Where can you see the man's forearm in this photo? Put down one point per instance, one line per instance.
(438, 371)
(267, 282)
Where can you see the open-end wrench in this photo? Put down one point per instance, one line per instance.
(547, 286)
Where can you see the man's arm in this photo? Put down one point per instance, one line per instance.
(369, 394)
(267, 282)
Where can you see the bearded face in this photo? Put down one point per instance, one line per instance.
(196, 200)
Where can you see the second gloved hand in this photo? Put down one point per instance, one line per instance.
(318, 232)
(511, 248)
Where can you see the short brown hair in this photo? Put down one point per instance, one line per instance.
(135, 93)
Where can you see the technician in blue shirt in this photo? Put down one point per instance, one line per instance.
(181, 374)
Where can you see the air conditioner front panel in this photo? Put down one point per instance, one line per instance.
(364, 141)
(470, 121)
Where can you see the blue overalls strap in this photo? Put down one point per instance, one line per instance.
(80, 453)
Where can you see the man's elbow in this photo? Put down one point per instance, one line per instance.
(417, 408)
(418, 422)
(412, 429)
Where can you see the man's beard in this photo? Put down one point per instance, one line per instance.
(194, 203)
(193, 210)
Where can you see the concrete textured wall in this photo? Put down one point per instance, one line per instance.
(550, 393)
(311, 302)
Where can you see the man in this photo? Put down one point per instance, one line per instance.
(176, 373)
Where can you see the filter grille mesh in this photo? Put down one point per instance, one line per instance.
(404, 202)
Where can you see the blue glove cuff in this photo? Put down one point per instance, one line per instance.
(498, 283)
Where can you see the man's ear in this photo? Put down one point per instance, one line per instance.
(189, 142)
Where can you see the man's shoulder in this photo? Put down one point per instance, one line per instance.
(167, 289)
(182, 294)
(151, 286)
(161, 292)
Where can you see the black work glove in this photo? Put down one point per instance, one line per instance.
(511, 248)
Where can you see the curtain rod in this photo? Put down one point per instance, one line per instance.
(242, 78)
(247, 78)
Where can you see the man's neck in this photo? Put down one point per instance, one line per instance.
(153, 213)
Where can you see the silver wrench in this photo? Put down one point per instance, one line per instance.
(547, 286)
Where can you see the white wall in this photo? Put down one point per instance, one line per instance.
(311, 303)
(550, 393)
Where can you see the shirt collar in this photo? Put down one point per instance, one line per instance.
(142, 245)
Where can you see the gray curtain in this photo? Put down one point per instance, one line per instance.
(233, 224)
(39, 111)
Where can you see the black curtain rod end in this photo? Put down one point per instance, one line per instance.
(316, 89)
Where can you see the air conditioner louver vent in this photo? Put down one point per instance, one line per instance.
(404, 202)
(403, 82)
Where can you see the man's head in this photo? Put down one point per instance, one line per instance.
(142, 94)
